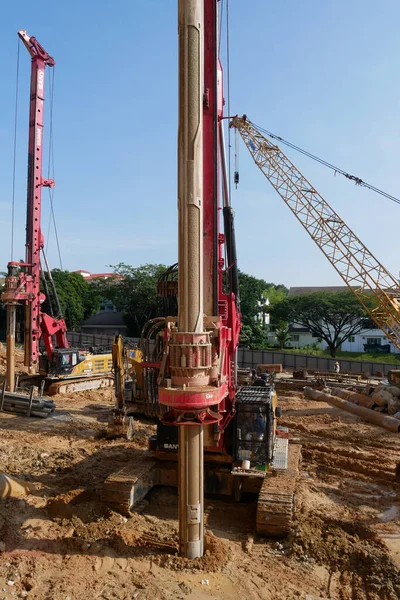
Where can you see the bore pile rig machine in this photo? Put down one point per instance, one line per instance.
(190, 376)
(62, 369)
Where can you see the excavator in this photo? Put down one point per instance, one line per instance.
(59, 368)
(213, 435)
(126, 360)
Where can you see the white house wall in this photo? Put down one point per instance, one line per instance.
(361, 338)
(306, 339)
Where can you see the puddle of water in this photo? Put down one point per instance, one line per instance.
(62, 417)
(391, 514)
(368, 495)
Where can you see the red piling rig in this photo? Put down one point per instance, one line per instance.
(25, 286)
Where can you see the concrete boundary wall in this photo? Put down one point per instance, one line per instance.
(295, 361)
(83, 340)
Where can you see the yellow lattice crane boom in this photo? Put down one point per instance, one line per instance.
(357, 266)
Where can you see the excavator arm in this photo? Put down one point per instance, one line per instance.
(124, 357)
(365, 276)
(118, 360)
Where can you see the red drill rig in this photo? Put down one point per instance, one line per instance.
(226, 436)
(62, 368)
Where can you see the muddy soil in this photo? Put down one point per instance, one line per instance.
(62, 543)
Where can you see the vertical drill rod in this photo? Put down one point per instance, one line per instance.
(10, 346)
(190, 318)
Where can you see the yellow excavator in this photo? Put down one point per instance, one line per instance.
(126, 364)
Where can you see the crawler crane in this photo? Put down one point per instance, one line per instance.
(365, 276)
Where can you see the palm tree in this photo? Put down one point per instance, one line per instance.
(282, 334)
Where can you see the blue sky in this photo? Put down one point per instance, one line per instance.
(324, 75)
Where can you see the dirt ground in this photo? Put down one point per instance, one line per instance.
(61, 543)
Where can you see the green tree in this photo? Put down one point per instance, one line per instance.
(253, 293)
(135, 294)
(77, 297)
(282, 334)
(332, 317)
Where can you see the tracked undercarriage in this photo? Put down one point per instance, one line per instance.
(53, 386)
(276, 500)
(77, 384)
(276, 488)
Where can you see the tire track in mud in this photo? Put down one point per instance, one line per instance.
(332, 533)
(334, 460)
(360, 566)
(352, 451)
(342, 434)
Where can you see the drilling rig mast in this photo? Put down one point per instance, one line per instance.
(188, 374)
(25, 286)
(62, 368)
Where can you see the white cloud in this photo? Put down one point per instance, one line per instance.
(102, 244)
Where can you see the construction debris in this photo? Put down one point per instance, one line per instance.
(354, 397)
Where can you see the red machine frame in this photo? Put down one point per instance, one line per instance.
(25, 286)
(214, 239)
(220, 307)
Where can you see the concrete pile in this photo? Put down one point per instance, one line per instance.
(356, 404)
(383, 398)
(387, 399)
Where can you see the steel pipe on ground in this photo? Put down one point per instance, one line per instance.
(24, 407)
(385, 421)
(15, 411)
(27, 405)
(38, 402)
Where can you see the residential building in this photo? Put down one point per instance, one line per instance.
(108, 323)
(108, 320)
(369, 337)
(301, 337)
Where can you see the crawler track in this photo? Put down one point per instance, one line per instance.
(275, 506)
(124, 488)
(77, 384)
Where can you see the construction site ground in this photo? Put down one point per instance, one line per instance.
(62, 543)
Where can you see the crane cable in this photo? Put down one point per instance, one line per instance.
(236, 172)
(227, 49)
(357, 180)
(228, 81)
(50, 171)
(15, 151)
(220, 26)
